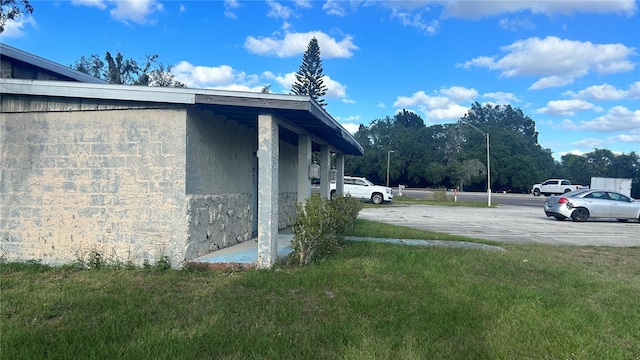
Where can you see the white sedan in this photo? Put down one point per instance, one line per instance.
(580, 205)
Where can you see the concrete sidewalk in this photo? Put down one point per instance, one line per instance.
(243, 255)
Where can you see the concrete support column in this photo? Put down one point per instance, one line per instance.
(325, 165)
(268, 154)
(340, 173)
(304, 160)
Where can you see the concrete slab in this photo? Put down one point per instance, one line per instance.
(244, 254)
(508, 224)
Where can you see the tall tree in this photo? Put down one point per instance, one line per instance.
(13, 9)
(309, 76)
(118, 70)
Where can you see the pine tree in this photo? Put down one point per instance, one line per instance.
(309, 75)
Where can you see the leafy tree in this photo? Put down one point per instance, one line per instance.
(408, 119)
(118, 70)
(309, 76)
(513, 145)
(453, 155)
(470, 170)
(602, 163)
(13, 9)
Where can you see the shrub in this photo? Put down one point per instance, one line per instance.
(319, 225)
(440, 195)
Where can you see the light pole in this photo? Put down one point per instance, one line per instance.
(388, 162)
(488, 163)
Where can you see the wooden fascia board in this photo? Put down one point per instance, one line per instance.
(253, 102)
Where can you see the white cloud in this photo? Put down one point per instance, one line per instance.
(619, 118)
(334, 7)
(350, 123)
(558, 62)
(295, 44)
(459, 93)
(277, 10)
(351, 127)
(303, 3)
(478, 9)
(567, 107)
(415, 20)
(222, 77)
(502, 98)
(137, 11)
(229, 7)
(100, 4)
(593, 143)
(575, 152)
(443, 106)
(16, 28)
(606, 92)
(335, 90)
(515, 24)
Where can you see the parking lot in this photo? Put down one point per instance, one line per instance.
(508, 224)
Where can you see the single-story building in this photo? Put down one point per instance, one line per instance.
(140, 174)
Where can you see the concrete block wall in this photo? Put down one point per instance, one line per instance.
(83, 182)
(132, 184)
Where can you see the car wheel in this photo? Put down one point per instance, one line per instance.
(580, 215)
(536, 192)
(559, 217)
(567, 190)
(333, 195)
(623, 220)
(377, 198)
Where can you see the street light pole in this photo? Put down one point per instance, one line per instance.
(388, 163)
(488, 162)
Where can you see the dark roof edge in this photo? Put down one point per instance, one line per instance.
(37, 61)
(321, 114)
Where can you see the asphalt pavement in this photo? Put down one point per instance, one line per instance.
(508, 224)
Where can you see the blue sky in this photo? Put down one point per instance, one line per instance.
(572, 65)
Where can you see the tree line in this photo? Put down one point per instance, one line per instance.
(454, 155)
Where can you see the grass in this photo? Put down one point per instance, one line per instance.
(367, 228)
(448, 201)
(370, 301)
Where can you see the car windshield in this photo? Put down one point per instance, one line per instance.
(367, 182)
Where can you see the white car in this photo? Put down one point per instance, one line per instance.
(361, 188)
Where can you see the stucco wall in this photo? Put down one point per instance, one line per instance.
(288, 184)
(77, 183)
(220, 161)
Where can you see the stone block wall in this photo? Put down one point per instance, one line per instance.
(77, 183)
(217, 221)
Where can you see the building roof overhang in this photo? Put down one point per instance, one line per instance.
(10, 52)
(297, 114)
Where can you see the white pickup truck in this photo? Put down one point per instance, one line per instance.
(361, 188)
(553, 187)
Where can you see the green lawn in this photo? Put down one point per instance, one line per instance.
(370, 301)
